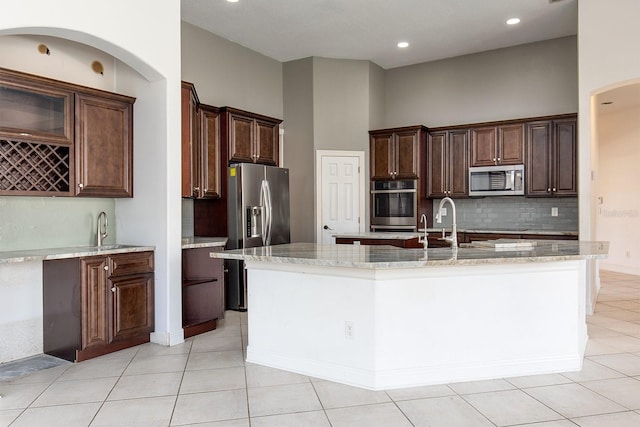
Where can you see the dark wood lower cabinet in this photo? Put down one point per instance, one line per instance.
(400, 243)
(96, 305)
(202, 290)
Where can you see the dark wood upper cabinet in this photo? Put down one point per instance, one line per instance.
(189, 114)
(201, 157)
(382, 166)
(551, 166)
(61, 139)
(267, 136)
(511, 144)
(497, 145)
(251, 138)
(33, 108)
(209, 160)
(104, 145)
(395, 153)
(448, 163)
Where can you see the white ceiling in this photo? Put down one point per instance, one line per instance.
(286, 30)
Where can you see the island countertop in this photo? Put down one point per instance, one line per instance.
(388, 257)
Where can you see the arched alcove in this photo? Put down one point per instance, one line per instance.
(152, 216)
(616, 145)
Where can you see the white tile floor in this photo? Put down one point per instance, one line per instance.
(205, 382)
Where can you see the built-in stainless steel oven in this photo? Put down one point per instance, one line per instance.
(394, 205)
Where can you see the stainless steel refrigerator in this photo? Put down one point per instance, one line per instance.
(258, 206)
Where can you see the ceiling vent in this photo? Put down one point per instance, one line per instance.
(555, 1)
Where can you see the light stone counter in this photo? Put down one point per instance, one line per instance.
(10, 257)
(381, 317)
(203, 242)
(388, 257)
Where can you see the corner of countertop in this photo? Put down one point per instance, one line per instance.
(203, 242)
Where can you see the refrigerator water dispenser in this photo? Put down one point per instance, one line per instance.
(254, 221)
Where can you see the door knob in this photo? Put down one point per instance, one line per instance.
(326, 227)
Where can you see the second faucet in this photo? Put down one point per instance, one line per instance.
(453, 238)
(101, 232)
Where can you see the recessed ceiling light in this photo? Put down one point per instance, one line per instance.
(513, 21)
(232, 1)
(402, 45)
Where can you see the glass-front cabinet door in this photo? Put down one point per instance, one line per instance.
(36, 136)
(31, 112)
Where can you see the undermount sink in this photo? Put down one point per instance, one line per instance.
(110, 247)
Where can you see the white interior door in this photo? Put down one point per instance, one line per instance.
(340, 199)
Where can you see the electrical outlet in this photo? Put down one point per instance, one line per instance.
(628, 254)
(348, 329)
(554, 211)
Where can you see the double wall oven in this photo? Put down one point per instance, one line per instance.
(394, 205)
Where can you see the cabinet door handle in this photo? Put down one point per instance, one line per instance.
(113, 289)
(81, 185)
(548, 190)
(498, 158)
(554, 189)
(106, 268)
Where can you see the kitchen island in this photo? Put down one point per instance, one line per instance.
(381, 317)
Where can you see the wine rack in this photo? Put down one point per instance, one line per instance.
(31, 168)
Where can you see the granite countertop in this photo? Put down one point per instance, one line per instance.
(9, 257)
(203, 242)
(385, 257)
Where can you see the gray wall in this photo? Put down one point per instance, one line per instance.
(376, 97)
(298, 146)
(340, 104)
(228, 74)
(524, 81)
(330, 104)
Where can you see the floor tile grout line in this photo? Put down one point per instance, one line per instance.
(324, 410)
(114, 385)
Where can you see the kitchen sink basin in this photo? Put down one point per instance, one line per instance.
(109, 247)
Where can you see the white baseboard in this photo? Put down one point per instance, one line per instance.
(620, 268)
(415, 376)
(168, 338)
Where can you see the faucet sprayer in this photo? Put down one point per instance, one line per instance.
(453, 238)
(424, 240)
(101, 232)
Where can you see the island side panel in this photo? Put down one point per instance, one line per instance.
(417, 326)
(480, 322)
(298, 322)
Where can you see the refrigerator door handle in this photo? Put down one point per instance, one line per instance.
(268, 211)
(263, 218)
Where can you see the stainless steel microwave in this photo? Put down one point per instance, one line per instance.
(496, 180)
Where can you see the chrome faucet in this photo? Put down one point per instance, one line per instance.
(424, 240)
(453, 238)
(101, 232)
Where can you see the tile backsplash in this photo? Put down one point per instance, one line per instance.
(187, 218)
(513, 213)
